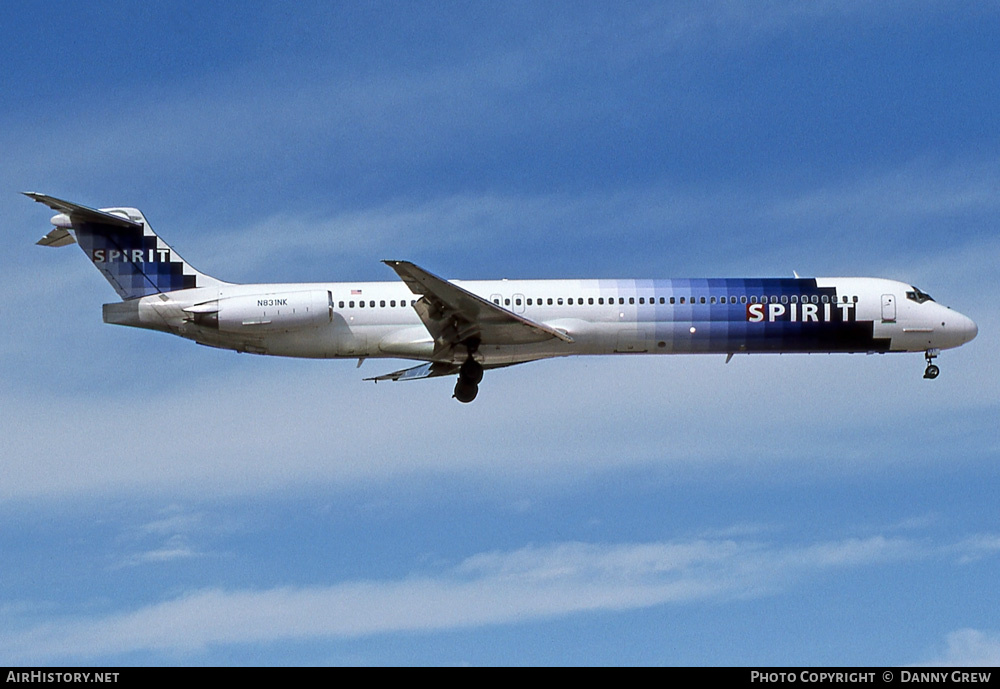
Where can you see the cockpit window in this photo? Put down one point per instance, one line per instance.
(918, 296)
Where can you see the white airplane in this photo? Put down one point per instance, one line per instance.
(465, 327)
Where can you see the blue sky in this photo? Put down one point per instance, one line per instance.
(164, 503)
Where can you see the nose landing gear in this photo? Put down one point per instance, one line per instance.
(932, 371)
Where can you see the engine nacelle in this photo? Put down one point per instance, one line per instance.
(259, 313)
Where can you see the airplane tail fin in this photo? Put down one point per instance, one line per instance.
(123, 246)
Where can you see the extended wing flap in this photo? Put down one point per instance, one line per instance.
(452, 314)
(432, 369)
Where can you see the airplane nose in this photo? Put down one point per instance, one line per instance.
(969, 329)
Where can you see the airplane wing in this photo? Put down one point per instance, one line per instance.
(454, 315)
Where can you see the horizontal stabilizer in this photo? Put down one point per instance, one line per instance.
(77, 212)
(57, 237)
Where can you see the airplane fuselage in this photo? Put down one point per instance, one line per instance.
(680, 316)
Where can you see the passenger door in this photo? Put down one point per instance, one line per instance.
(888, 308)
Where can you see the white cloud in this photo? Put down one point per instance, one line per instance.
(174, 548)
(977, 547)
(536, 582)
(200, 434)
(969, 648)
(283, 112)
(913, 223)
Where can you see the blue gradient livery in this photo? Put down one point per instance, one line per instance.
(466, 327)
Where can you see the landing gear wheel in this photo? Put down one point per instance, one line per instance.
(466, 391)
(932, 371)
(471, 371)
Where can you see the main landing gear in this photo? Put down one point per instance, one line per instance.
(469, 377)
(932, 371)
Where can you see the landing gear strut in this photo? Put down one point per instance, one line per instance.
(469, 377)
(932, 371)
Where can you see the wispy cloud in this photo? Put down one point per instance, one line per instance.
(329, 429)
(174, 548)
(499, 587)
(165, 539)
(977, 547)
(277, 116)
(659, 229)
(968, 648)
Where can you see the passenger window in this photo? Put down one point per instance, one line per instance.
(825, 299)
(743, 299)
(559, 301)
(631, 300)
(590, 300)
(506, 302)
(361, 305)
(663, 300)
(600, 300)
(517, 302)
(642, 300)
(382, 304)
(712, 300)
(340, 305)
(550, 301)
(671, 300)
(814, 299)
(570, 301)
(529, 301)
